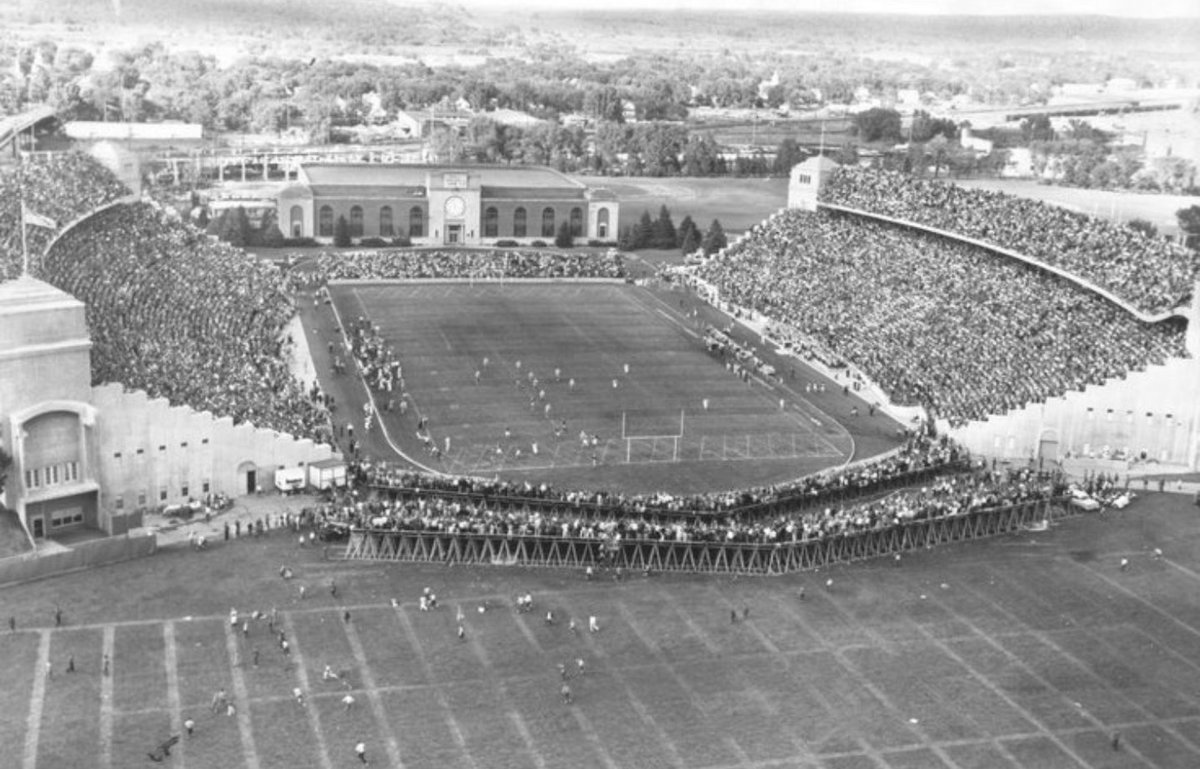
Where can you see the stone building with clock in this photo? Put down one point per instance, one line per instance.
(469, 205)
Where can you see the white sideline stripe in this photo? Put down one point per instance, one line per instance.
(106, 701)
(243, 699)
(171, 666)
(368, 679)
(314, 719)
(37, 700)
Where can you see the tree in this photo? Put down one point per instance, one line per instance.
(341, 232)
(563, 238)
(232, 226)
(878, 124)
(643, 232)
(1037, 129)
(1189, 223)
(1143, 226)
(714, 239)
(663, 234)
(5, 463)
(691, 241)
(788, 155)
(686, 227)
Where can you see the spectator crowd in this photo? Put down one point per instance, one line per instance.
(437, 509)
(934, 322)
(1151, 273)
(393, 265)
(185, 318)
(61, 187)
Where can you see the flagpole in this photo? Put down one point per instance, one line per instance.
(24, 239)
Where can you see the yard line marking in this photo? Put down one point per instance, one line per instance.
(314, 718)
(1048, 640)
(368, 680)
(513, 714)
(681, 327)
(106, 702)
(451, 720)
(1028, 668)
(37, 700)
(761, 636)
(174, 702)
(680, 681)
(243, 699)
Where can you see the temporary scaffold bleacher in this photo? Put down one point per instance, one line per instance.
(692, 557)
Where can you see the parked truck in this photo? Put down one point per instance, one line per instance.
(289, 480)
(327, 474)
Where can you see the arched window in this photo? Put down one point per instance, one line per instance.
(491, 222)
(385, 222)
(356, 222)
(576, 222)
(547, 222)
(519, 223)
(325, 226)
(416, 222)
(297, 219)
(602, 223)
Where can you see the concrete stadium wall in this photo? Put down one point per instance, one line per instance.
(151, 453)
(1156, 411)
(85, 555)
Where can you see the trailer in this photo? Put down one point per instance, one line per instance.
(327, 474)
(289, 480)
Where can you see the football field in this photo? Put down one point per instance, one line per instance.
(498, 369)
(1030, 650)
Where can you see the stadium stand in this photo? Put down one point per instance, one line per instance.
(392, 265)
(1151, 273)
(62, 187)
(184, 318)
(935, 322)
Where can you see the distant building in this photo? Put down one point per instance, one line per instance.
(444, 204)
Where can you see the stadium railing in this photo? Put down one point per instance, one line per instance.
(703, 557)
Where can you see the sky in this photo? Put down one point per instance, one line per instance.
(1128, 8)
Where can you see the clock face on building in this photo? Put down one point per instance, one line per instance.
(455, 207)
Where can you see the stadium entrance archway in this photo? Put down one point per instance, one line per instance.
(1048, 446)
(248, 472)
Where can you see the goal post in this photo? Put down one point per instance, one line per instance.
(653, 439)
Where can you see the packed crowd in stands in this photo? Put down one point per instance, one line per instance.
(185, 318)
(61, 187)
(919, 453)
(1151, 273)
(392, 265)
(943, 496)
(935, 323)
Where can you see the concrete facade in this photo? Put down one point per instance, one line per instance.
(444, 205)
(88, 456)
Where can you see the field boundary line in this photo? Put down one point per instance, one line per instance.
(512, 713)
(387, 436)
(106, 700)
(243, 699)
(631, 621)
(37, 701)
(368, 679)
(448, 713)
(174, 701)
(1031, 671)
(314, 718)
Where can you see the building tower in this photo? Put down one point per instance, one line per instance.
(805, 180)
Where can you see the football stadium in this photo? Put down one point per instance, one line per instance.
(813, 501)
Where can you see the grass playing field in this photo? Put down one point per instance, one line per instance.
(653, 428)
(1025, 651)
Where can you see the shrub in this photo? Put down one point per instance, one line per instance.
(538, 244)
(402, 241)
(507, 244)
(372, 242)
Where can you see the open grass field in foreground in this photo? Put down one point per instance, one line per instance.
(586, 333)
(1029, 650)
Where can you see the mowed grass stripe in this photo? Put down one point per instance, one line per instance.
(71, 710)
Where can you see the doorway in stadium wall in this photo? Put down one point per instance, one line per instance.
(454, 234)
(1048, 446)
(249, 471)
